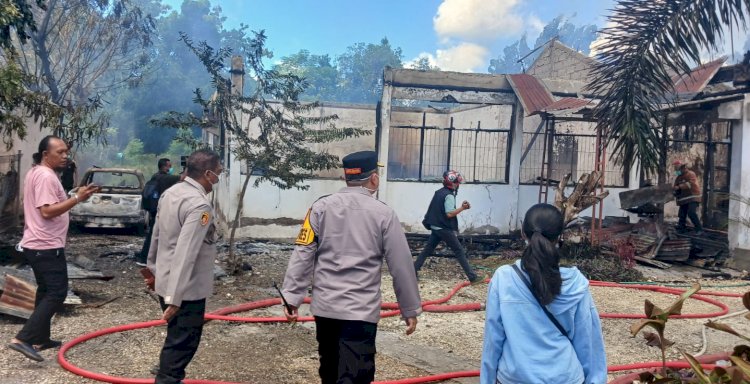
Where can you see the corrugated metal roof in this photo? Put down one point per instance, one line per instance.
(533, 94)
(698, 78)
(567, 103)
(18, 297)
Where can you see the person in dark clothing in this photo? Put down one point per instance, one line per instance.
(688, 195)
(164, 179)
(69, 174)
(441, 219)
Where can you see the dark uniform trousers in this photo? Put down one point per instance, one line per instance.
(347, 350)
(689, 210)
(451, 240)
(143, 256)
(184, 332)
(51, 274)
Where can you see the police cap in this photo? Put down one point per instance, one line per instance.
(359, 165)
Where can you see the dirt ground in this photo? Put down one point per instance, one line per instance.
(280, 353)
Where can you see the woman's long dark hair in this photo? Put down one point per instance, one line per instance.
(542, 227)
(43, 146)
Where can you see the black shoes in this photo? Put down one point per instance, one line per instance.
(48, 345)
(26, 350)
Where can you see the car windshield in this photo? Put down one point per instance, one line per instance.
(115, 179)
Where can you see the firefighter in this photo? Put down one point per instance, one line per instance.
(688, 195)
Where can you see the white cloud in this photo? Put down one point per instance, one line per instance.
(413, 62)
(464, 57)
(596, 46)
(535, 25)
(478, 19)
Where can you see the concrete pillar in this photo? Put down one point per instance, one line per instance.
(514, 173)
(385, 129)
(739, 187)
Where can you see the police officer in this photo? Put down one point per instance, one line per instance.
(184, 240)
(340, 250)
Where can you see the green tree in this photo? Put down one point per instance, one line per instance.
(423, 64)
(79, 51)
(17, 16)
(273, 132)
(16, 101)
(317, 70)
(648, 42)
(361, 70)
(179, 73)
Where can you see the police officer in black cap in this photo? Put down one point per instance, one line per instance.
(342, 244)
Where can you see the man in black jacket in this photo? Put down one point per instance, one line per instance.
(441, 219)
(164, 179)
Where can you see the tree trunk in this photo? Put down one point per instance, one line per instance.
(582, 196)
(234, 262)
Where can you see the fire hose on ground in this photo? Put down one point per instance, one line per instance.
(391, 309)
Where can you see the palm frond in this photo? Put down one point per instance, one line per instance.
(648, 42)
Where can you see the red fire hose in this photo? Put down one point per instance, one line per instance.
(436, 305)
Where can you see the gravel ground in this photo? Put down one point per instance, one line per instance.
(280, 353)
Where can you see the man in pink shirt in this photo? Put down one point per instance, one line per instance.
(45, 208)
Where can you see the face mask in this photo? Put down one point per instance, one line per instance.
(678, 173)
(215, 175)
(171, 170)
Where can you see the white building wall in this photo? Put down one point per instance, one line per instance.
(28, 146)
(496, 207)
(739, 209)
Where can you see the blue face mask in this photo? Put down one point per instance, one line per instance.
(171, 170)
(678, 173)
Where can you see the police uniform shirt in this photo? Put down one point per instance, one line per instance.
(184, 240)
(341, 248)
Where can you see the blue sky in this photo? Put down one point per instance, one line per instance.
(460, 35)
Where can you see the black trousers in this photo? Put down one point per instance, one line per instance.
(143, 256)
(347, 350)
(51, 274)
(183, 337)
(689, 210)
(451, 239)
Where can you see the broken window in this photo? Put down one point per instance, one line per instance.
(573, 152)
(422, 153)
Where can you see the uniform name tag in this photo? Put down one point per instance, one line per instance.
(306, 235)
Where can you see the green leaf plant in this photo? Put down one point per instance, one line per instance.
(656, 318)
(737, 373)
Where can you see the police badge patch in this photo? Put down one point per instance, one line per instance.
(204, 218)
(306, 235)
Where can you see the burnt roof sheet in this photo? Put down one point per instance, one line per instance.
(567, 103)
(533, 94)
(698, 78)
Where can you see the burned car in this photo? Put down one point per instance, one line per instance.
(116, 205)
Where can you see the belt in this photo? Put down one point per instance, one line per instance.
(55, 251)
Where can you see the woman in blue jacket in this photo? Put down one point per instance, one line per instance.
(522, 344)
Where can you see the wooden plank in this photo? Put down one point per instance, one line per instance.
(444, 95)
(74, 273)
(653, 263)
(446, 80)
